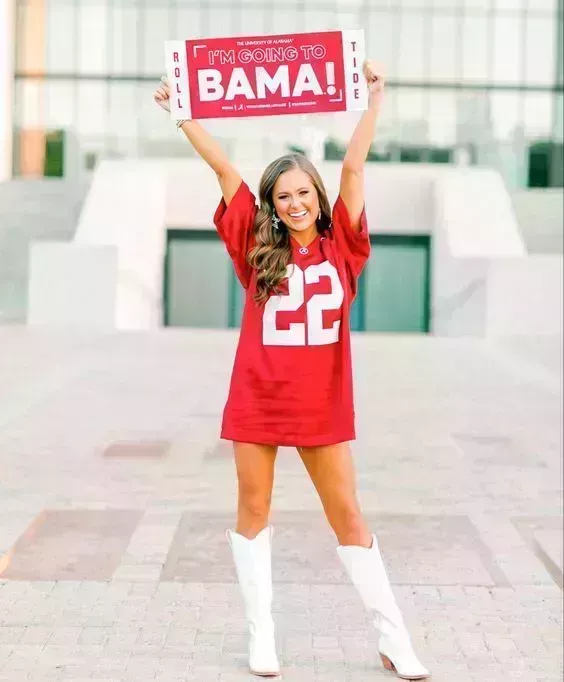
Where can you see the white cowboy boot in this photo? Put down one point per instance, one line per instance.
(253, 562)
(368, 574)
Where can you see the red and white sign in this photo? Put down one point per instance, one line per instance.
(295, 73)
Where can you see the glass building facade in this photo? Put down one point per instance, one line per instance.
(470, 81)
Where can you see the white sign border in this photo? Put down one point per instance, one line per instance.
(177, 74)
(354, 54)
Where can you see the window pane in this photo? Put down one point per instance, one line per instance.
(453, 4)
(256, 22)
(290, 4)
(61, 45)
(319, 20)
(505, 113)
(417, 4)
(475, 62)
(221, 21)
(20, 33)
(411, 46)
(514, 5)
(538, 115)
(444, 47)
(473, 116)
(477, 4)
(382, 36)
(543, 6)
(540, 57)
(92, 109)
(507, 49)
(30, 46)
(92, 43)
(442, 118)
(155, 32)
(344, 21)
(29, 104)
(124, 40)
(123, 119)
(187, 24)
(156, 130)
(387, 121)
(560, 57)
(60, 104)
(413, 126)
(283, 21)
(558, 133)
(198, 281)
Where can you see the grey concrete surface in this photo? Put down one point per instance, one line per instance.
(32, 210)
(115, 493)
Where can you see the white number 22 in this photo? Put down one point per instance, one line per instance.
(295, 335)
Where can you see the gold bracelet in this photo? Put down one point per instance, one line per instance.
(181, 122)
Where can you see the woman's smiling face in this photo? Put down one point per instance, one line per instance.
(295, 200)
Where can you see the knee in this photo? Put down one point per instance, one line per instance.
(255, 503)
(349, 525)
(352, 521)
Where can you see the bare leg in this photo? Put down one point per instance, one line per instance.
(332, 472)
(331, 469)
(255, 473)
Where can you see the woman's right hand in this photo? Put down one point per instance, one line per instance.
(162, 94)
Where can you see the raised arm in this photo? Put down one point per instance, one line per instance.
(352, 175)
(206, 146)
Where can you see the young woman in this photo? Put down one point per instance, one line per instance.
(298, 261)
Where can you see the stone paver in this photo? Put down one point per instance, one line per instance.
(459, 472)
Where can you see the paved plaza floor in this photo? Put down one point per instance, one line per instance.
(115, 493)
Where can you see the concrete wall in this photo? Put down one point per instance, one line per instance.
(126, 209)
(467, 211)
(540, 214)
(525, 296)
(31, 210)
(121, 238)
(7, 51)
(193, 194)
(474, 223)
(73, 285)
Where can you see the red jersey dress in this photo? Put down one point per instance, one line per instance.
(292, 377)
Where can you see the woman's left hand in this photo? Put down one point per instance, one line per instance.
(376, 82)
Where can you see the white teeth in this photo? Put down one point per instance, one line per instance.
(298, 215)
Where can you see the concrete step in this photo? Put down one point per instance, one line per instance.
(31, 210)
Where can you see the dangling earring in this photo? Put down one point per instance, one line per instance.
(275, 220)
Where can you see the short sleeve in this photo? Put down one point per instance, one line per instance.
(352, 244)
(235, 225)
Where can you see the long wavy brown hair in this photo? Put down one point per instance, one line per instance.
(272, 253)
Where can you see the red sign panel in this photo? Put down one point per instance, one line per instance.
(266, 75)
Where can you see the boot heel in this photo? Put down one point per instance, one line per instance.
(387, 663)
(367, 571)
(263, 674)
